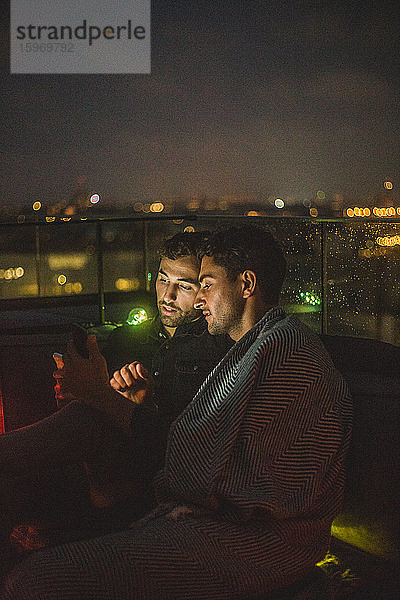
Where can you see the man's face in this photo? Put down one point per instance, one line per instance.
(220, 300)
(176, 288)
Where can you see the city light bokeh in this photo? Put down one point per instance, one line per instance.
(342, 272)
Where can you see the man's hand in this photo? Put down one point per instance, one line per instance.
(85, 378)
(133, 382)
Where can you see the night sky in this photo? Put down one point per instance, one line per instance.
(246, 98)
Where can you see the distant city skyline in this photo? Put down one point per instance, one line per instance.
(251, 100)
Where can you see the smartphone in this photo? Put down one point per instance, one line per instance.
(79, 337)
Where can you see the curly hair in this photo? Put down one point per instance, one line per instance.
(183, 244)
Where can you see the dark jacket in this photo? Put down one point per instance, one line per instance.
(178, 365)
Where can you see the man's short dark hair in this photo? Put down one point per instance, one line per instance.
(183, 244)
(237, 249)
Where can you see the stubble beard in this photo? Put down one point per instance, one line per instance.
(178, 318)
(228, 321)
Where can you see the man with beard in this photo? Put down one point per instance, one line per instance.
(254, 467)
(177, 350)
(175, 346)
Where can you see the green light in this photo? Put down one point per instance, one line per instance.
(309, 298)
(136, 316)
(148, 276)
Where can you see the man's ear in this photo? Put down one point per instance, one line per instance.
(249, 283)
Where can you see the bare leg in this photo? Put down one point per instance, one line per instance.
(41, 474)
(71, 434)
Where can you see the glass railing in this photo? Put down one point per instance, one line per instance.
(342, 279)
